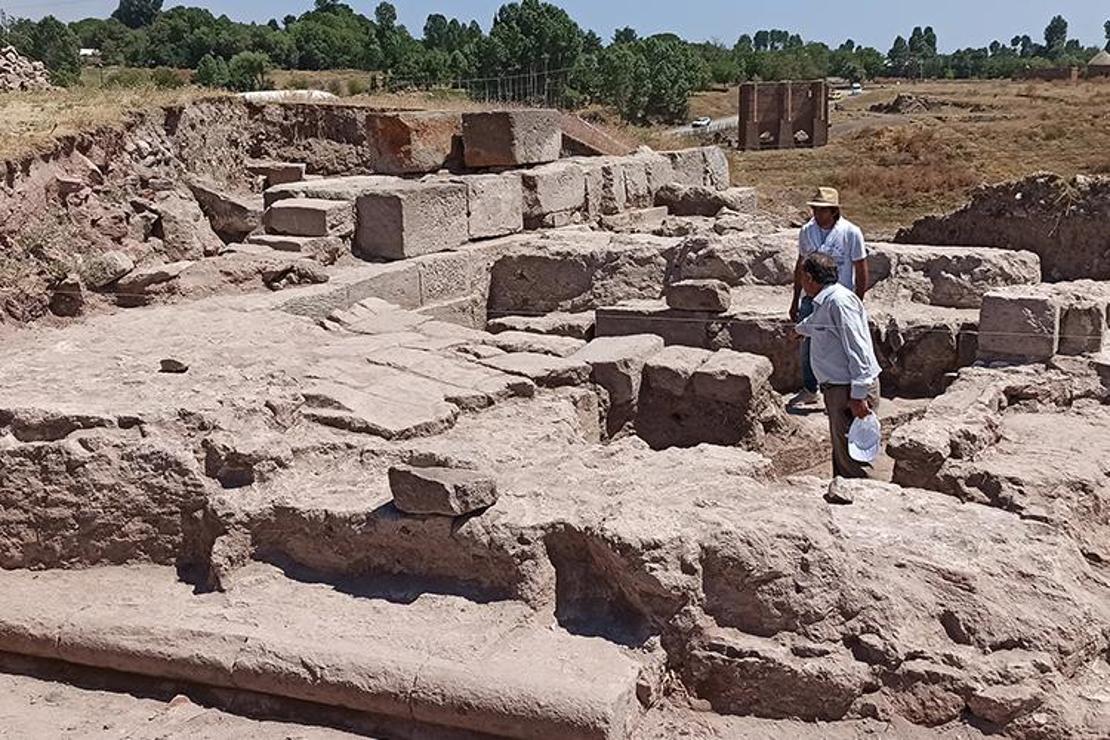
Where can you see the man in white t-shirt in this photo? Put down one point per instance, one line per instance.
(828, 232)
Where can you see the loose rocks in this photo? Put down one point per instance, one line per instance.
(441, 491)
(17, 72)
(106, 269)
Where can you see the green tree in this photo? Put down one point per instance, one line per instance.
(137, 13)
(626, 35)
(898, 57)
(51, 42)
(247, 71)
(212, 71)
(1056, 36)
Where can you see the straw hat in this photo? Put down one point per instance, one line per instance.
(825, 198)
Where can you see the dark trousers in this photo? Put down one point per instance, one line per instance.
(837, 398)
(809, 380)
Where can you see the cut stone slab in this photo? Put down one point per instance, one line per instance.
(323, 249)
(559, 323)
(441, 491)
(638, 220)
(553, 190)
(732, 377)
(511, 138)
(495, 204)
(411, 219)
(310, 217)
(277, 173)
(1019, 324)
(708, 296)
(703, 200)
(390, 409)
(617, 363)
(706, 166)
(140, 279)
(546, 371)
(330, 188)
(106, 269)
(544, 344)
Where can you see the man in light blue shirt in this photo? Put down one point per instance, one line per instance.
(843, 356)
(828, 232)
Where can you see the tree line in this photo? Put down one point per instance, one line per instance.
(532, 46)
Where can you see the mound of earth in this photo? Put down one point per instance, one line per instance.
(909, 103)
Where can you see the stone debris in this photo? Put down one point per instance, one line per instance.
(173, 367)
(840, 492)
(702, 200)
(68, 297)
(233, 217)
(708, 296)
(105, 269)
(441, 491)
(18, 73)
(511, 138)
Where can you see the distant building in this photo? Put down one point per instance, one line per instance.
(89, 56)
(1099, 66)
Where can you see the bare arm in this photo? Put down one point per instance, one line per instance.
(797, 290)
(863, 277)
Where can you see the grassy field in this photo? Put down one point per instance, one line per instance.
(895, 168)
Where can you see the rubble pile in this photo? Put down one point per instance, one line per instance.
(18, 73)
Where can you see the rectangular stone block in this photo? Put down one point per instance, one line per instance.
(441, 491)
(1019, 325)
(330, 188)
(1083, 328)
(639, 220)
(413, 142)
(511, 138)
(706, 166)
(411, 219)
(617, 363)
(495, 204)
(278, 173)
(637, 185)
(551, 189)
(732, 377)
(310, 217)
(709, 296)
(605, 186)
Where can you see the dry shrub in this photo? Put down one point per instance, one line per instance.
(904, 183)
(336, 87)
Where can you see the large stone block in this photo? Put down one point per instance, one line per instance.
(310, 217)
(330, 188)
(413, 142)
(277, 173)
(703, 200)
(605, 185)
(710, 296)
(617, 363)
(706, 166)
(1019, 325)
(495, 204)
(552, 189)
(511, 138)
(411, 219)
(732, 377)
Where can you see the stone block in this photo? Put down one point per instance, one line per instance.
(637, 184)
(670, 371)
(702, 166)
(441, 491)
(710, 296)
(703, 200)
(277, 173)
(323, 249)
(1083, 328)
(546, 371)
(639, 220)
(1019, 325)
(310, 217)
(495, 204)
(605, 185)
(233, 216)
(732, 377)
(617, 363)
(511, 138)
(411, 219)
(105, 269)
(413, 142)
(543, 344)
(576, 325)
(556, 188)
(330, 188)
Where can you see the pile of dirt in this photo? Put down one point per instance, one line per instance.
(17, 72)
(1061, 220)
(906, 103)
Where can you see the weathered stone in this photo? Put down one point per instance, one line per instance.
(314, 217)
(141, 278)
(233, 217)
(547, 371)
(105, 269)
(277, 173)
(576, 325)
(413, 142)
(606, 193)
(324, 249)
(732, 377)
(511, 138)
(617, 363)
(441, 491)
(1019, 324)
(494, 204)
(639, 220)
(518, 341)
(551, 189)
(173, 366)
(410, 220)
(710, 296)
(704, 166)
(68, 297)
(331, 188)
(702, 200)
(184, 230)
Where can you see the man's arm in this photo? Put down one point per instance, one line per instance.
(855, 337)
(863, 276)
(797, 290)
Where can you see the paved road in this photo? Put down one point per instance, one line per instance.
(715, 125)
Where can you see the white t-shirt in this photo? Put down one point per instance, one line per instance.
(844, 243)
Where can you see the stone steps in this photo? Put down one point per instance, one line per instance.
(498, 669)
(309, 217)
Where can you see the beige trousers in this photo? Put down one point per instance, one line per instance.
(837, 398)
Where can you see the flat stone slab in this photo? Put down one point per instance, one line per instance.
(637, 220)
(277, 173)
(576, 325)
(313, 217)
(617, 363)
(520, 341)
(441, 491)
(544, 370)
(709, 296)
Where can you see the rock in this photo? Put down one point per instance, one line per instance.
(1019, 324)
(518, 341)
(68, 297)
(556, 323)
(172, 366)
(324, 249)
(701, 200)
(547, 371)
(702, 166)
(298, 272)
(441, 491)
(277, 173)
(494, 204)
(553, 190)
(139, 279)
(102, 271)
(617, 363)
(511, 138)
(411, 219)
(709, 296)
(644, 220)
(840, 493)
(412, 142)
(233, 217)
(184, 230)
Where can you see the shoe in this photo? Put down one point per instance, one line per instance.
(805, 398)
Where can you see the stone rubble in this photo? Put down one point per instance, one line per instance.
(18, 73)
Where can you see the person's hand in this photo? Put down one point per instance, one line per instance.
(860, 408)
(794, 312)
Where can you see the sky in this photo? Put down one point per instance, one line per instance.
(958, 23)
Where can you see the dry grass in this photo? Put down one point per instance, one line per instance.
(893, 169)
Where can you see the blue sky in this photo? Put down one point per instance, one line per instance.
(958, 23)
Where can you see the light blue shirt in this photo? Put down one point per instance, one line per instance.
(843, 242)
(842, 352)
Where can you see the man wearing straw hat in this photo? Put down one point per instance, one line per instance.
(828, 232)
